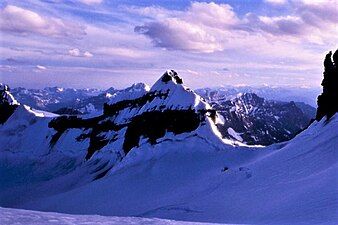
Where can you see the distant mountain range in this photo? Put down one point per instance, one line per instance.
(285, 94)
(55, 98)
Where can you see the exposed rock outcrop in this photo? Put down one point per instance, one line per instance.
(7, 103)
(328, 100)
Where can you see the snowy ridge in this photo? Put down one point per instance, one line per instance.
(130, 93)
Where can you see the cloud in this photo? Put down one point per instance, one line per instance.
(279, 25)
(91, 2)
(210, 27)
(77, 53)
(23, 21)
(39, 67)
(124, 52)
(87, 54)
(195, 30)
(276, 2)
(175, 34)
(74, 52)
(318, 13)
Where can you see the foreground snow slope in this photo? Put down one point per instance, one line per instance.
(285, 184)
(24, 217)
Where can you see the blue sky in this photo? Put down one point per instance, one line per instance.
(104, 43)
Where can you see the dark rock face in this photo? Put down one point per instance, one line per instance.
(260, 121)
(68, 111)
(127, 119)
(151, 125)
(6, 109)
(172, 74)
(96, 128)
(113, 109)
(328, 100)
(154, 125)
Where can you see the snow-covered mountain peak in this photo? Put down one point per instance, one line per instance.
(169, 79)
(174, 95)
(140, 87)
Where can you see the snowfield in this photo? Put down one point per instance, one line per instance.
(23, 217)
(291, 183)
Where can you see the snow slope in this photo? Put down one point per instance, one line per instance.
(288, 183)
(23, 217)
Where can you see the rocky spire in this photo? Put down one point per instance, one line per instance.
(7, 103)
(328, 100)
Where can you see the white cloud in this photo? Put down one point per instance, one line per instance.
(74, 52)
(211, 14)
(276, 2)
(196, 30)
(41, 67)
(87, 54)
(123, 52)
(180, 35)
(23, 21)
(77, 53)
(91, 2)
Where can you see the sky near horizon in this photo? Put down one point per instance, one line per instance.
(104, 43)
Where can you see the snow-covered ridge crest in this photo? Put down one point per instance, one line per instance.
(132, 92)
